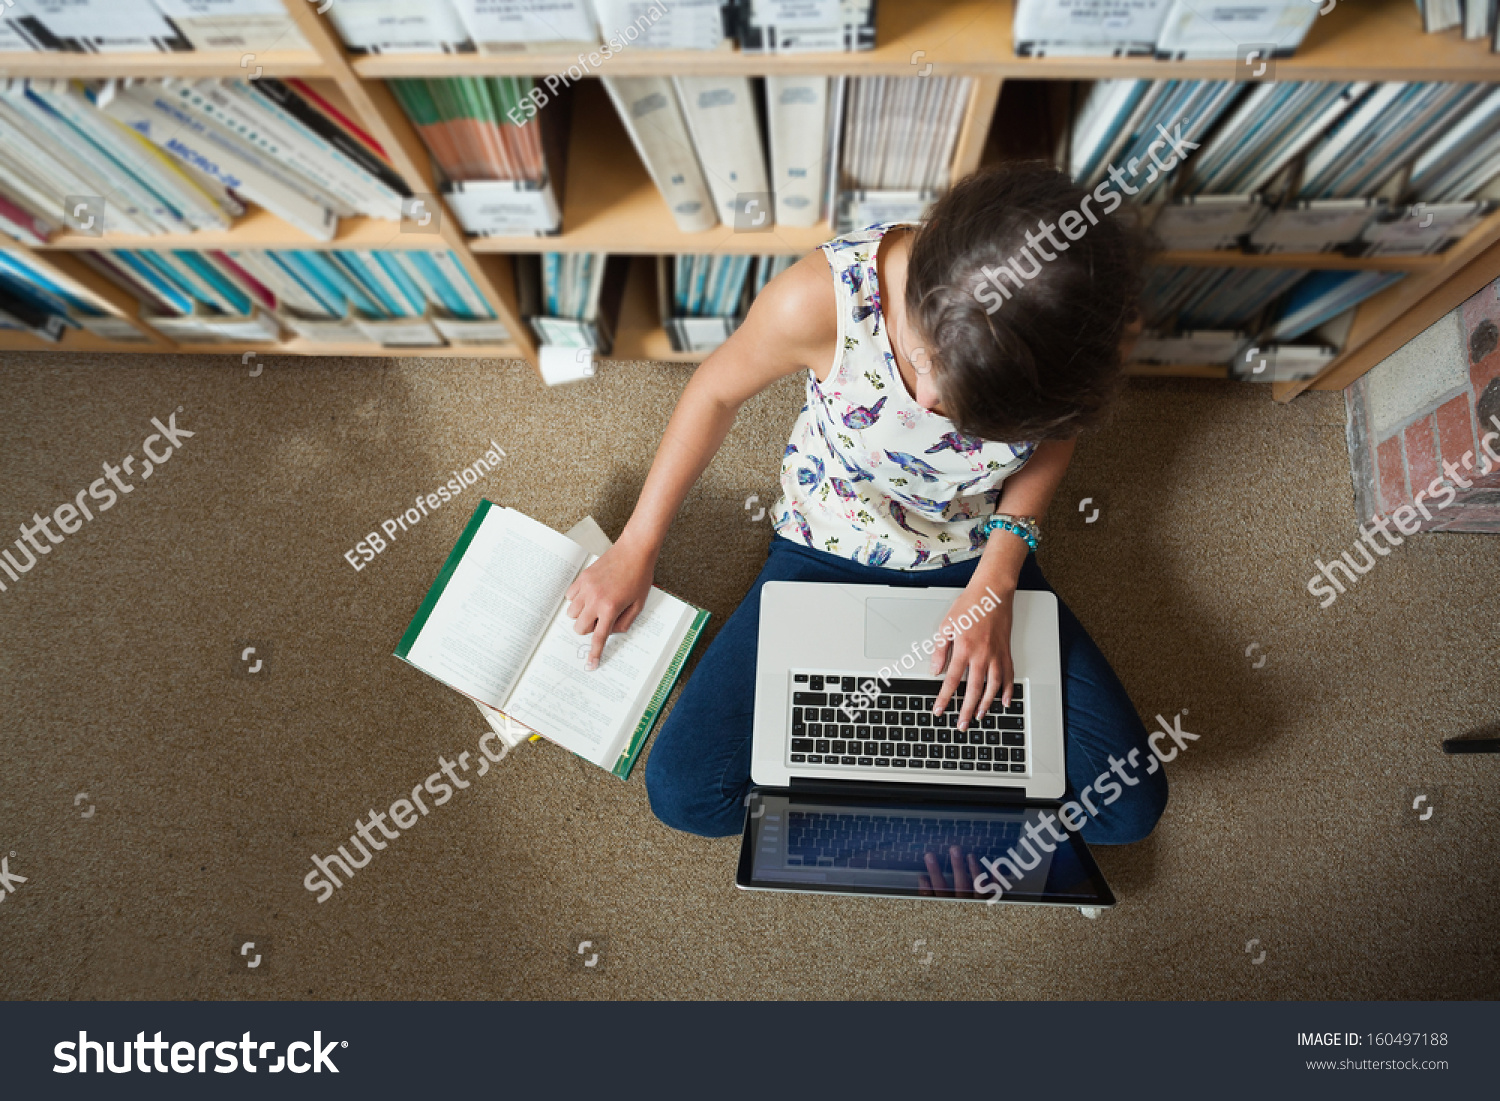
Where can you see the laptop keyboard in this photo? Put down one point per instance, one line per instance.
(827, 840)
(899, 730)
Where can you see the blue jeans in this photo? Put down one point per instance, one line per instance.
(698, 772)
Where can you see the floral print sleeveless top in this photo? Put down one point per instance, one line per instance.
(870, 475)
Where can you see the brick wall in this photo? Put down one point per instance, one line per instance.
(1428, 405)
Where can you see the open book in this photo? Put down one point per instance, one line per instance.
(494, 626)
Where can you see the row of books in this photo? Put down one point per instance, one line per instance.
(174, 156)
(590, 26)
(1373, 168)
(1477, 18)
(852, 149)
(1290, 166)
(108, 26)
(412, 297)
(501, 173)
(37, 300)
(449, 26)
(1192, 315)
(1165, 29)
(572, 300)
(1296, 321)
(1222, 298)
(393, 297)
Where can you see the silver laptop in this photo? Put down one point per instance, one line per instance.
(818, 717)
(860, 789)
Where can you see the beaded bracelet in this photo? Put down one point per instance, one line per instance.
(1024, 527)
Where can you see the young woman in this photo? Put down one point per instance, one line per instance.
(950, 367)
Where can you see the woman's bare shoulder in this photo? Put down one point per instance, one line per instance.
(798, 311)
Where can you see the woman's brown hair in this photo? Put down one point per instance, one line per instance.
(1023, 347)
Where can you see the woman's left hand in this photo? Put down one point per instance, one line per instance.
(982, 650)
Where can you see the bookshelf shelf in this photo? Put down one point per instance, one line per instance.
(258, 229)
(1363, 40)
(86, 342)
(300, 347)
(1316, 261)
(199, 64)
(75, 341)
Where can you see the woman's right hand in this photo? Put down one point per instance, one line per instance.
(608, 595)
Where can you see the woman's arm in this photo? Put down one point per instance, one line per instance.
(792, 325)
(1028, 492)
(983, 650)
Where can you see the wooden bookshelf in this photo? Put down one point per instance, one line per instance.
(610, 204)
(1381, 312)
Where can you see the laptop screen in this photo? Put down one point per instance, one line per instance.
(847, 845)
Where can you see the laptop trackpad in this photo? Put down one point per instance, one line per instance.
(892, 624)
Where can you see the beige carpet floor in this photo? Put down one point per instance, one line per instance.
(1290, 820)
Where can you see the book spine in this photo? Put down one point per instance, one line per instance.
(231, 106)
(124, 167)
(474, 304)
(327, 129)
(310, 94)
(23, 224)
(175, 99)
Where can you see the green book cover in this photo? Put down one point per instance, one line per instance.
(455, 556)
(659, 697)
(416, 100)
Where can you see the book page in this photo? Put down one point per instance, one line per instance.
(592, 712)
(496, 606)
